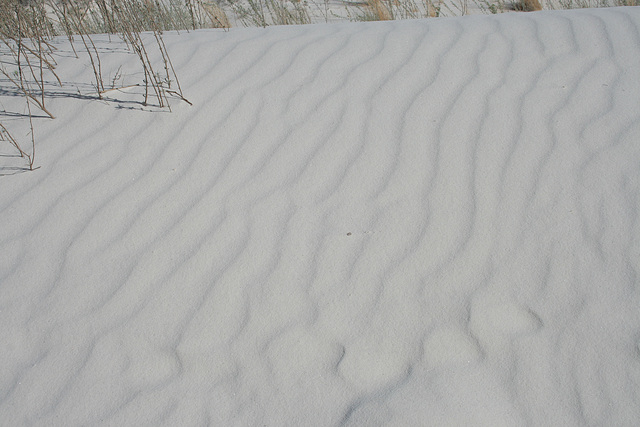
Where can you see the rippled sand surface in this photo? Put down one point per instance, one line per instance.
(403, 223)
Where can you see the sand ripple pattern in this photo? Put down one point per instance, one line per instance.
(414, 223)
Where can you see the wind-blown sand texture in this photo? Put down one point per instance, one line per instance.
(405, 223)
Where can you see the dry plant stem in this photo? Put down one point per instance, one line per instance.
(39, 80)
(5, 135)
(25, 91)
(95, 64)
(40, 55)
(62, 15)
(151, 77)
(118, 88)
(179, 95)
(193, 18)
(167, 60)
(30, 158)
(22, 84)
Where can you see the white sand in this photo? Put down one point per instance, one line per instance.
(404, 223)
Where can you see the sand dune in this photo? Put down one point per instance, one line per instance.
(402, 223)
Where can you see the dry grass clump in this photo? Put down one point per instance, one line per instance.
(528, 5)
(433, 9)
(581, 4)
(216, 14)
(27, 57)
(380, 11)
(387, 10)
(262, 13)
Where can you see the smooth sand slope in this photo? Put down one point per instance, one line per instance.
(405, 223)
